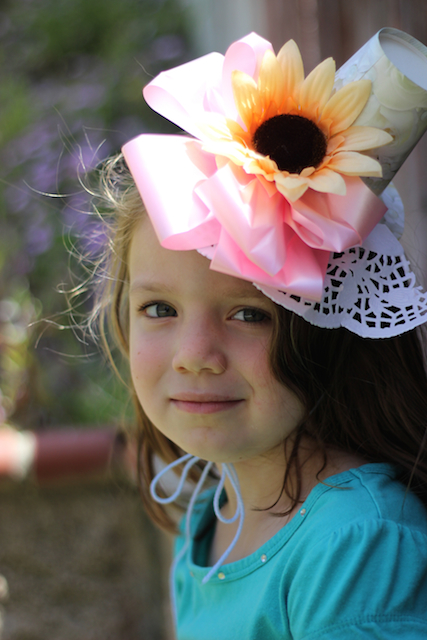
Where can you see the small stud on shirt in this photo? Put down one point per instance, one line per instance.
(221, 575)
(263, 558)
(303, 512)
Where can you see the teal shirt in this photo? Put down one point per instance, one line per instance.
(352, 564)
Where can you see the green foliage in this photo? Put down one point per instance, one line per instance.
(70, 94)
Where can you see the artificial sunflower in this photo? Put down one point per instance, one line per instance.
(296, 131)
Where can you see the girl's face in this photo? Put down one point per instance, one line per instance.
(199, 344)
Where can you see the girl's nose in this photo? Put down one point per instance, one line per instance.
(199, 348)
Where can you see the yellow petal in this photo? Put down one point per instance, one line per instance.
(290, 61)
(238, 134)
(307, 171)
(334, 143)
(234, 128)
(292, 187)
(270, 81)
(232, 150)
(267, 165)
(361, 138)
(245, 96)
(317, 88)
(351, 163)
(327, 181)
(264, 166)
(346, 104)
(214, 126)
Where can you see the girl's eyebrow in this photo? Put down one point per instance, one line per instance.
(236, 293)
(154, 287)
(243, 294)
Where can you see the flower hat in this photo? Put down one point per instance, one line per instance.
(271, 184)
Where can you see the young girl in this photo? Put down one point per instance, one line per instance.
(293, 412)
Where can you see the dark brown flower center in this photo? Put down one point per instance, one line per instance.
(293, 142)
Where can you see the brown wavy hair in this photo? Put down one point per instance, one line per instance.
(362, 396)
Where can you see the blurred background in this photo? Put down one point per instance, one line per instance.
(78, 557)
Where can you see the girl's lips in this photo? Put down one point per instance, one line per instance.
(204, 404)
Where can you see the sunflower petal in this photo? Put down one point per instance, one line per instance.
(317, 88)
(270, 82)
(232, 150)
(290, 61)
(214, 126)
(261, 166)
(351, 163)
(346, 104)
(327, 181)
(361, 138)
(334, 144)
(307, 171)
(245, 96)
(292, 187)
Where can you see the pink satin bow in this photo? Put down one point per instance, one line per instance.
(197, 200)
(258, 235)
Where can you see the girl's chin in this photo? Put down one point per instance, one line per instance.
(218, 452)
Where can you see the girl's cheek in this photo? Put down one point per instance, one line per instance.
(147, 358)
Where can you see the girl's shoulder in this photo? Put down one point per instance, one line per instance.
(362, 554)
(372, 491)
(365, 510)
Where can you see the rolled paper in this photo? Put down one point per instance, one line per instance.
(396, 64)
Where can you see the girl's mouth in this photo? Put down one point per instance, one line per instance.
(204, 403)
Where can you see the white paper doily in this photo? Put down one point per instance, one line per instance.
(370, 290)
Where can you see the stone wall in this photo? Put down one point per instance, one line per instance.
(82, 562)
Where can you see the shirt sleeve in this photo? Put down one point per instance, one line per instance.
(365, 581)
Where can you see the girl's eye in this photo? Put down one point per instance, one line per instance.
(158, 310)
(251, 315)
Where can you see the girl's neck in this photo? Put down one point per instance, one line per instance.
(261, 490)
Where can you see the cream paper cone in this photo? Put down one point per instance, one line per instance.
(396, 64)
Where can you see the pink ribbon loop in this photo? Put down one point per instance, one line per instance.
(181, 220)
(335, 223)
(259, 236)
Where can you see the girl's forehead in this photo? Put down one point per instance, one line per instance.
(154, 268)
